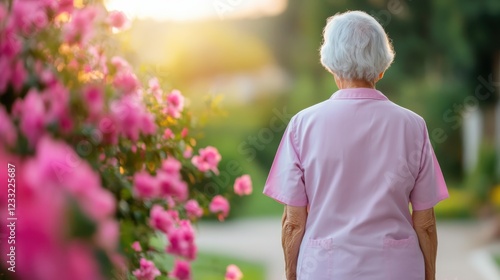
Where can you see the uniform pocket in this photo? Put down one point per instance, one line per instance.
(316, 262)
(403, 259)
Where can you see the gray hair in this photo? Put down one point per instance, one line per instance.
(355, 46)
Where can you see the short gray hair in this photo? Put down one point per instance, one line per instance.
(355, 46)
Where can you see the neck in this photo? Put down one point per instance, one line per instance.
(344, 84)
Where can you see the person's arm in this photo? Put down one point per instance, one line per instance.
(424, 223)
(293, 228)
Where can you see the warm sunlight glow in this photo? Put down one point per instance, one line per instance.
(185, 10)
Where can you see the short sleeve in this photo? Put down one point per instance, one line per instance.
(430, 187)
(285, 182)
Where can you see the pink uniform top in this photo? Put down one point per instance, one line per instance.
(357, 161)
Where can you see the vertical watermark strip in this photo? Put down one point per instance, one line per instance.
(11, 217)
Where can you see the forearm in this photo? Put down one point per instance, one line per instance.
(427, 238)
(291, 238)
(428, 244)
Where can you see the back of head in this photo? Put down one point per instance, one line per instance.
(355, 46)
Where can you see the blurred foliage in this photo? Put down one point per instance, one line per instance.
(460, 205)
(483, 178)
(495, 196)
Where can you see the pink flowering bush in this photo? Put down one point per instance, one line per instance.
(108, 178)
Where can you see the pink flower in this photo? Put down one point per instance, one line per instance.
(8, 134)
(12, 69)
(184, 132)
(97, 61)
(113, 161)
(10, 44)
(33, 115)
(220, 206)
(79, 263)
(73, 65)
(136, 246)
(171, 166)
(174, 214)
(120, 64)
(57, 166)
(94, 99)
(168, 134)
(48, 78)
(98, 203)
(3, 12)
(18, 75)
(39, 20)
(193, 209)
(188, 152)
(108, 126)
(170, 202)
(181, 271)
(38, 249)
(181, 241)
(172, 185)
(29, 16)
(107, 234)
(154, 88)
(243, 185)
(17, 108)
(147, 270)
(132, 117)
(79, 30)
(161, 219)
(145, 185)
(233, 272)
(148, 124)
(126, 82)
(170, 180)
(207, 160)
(66, 6)
(50, 5)
(118, 20)
(57, 98)
(5, 65)
(154, 84)
(45, 250)
(175, 103)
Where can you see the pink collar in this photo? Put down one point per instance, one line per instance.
(358, 93)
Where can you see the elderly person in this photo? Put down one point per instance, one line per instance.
(348, 168)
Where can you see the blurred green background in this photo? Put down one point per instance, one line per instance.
(257, 63)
